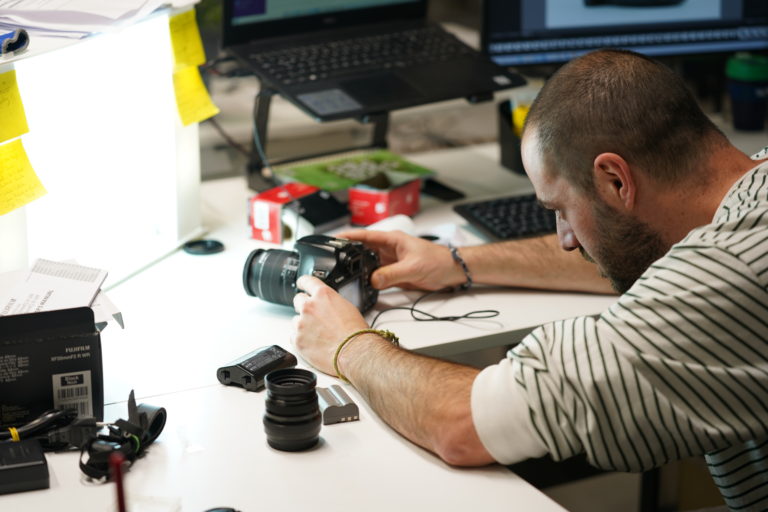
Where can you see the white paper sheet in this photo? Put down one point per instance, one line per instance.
(45, 9)
(51, 285)
(78, 18)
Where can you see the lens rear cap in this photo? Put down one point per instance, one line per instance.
(203, 247)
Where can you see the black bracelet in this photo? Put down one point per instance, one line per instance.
(458, 259)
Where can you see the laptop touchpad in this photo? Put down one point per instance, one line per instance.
(329, 101)
(380, 88)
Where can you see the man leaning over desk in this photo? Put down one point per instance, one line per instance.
(646, 187)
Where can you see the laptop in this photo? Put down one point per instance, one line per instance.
(354, 58)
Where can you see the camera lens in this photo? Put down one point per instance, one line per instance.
(270, 274)
(292, 419)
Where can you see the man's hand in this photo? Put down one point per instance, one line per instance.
(408, 262)
(325, 318)
(426, 400)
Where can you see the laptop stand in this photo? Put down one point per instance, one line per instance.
(257, 171)
(259, 176)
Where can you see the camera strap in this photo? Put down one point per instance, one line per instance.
(130, 437)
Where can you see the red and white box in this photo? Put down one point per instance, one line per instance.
(266, 210)
(368, 205)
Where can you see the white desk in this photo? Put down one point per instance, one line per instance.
(187, 315)
(193, 310)
(213, 453)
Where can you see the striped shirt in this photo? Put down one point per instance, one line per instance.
(678, 367)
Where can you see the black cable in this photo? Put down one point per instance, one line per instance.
(210, 67)
(259, 147)
(70, 436)
(429, 317)
(50, 419)
(257, 144)
(56, 430)
(237, 71)
(227, 138)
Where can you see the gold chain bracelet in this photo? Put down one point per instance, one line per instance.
(387, 335)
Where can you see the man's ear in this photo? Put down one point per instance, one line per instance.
(614, 181)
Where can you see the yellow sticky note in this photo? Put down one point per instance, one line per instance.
(185, 36)
(519, 114)
(13, 121)
(19, 184)
(192, 98)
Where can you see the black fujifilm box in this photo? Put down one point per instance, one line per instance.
(50, 360)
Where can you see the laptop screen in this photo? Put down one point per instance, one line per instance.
(254, 20)
(254, 11)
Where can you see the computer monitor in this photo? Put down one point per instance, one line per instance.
(533, 32)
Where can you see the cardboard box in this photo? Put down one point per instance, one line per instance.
(50, 360)
(376, 184)
(372, 202)
(266, 210)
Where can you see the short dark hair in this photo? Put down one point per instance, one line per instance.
(622, 102)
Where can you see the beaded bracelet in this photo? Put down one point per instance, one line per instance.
(387, 335)
(458, 259)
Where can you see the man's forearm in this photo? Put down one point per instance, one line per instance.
(424, 399)
(533, 263)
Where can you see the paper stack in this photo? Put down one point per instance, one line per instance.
(51, 285)
(76, 19)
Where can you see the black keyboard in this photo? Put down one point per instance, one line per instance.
(338, 58)
(508, 218)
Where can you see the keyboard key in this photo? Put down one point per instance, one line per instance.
(338, 58)
(508, 218)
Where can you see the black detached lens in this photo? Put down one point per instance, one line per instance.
(292, 418)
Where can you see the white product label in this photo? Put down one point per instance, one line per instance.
(73, 391)
(261, 216)
(13, 367)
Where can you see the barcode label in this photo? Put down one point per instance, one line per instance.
(76, 393)
(73, 391)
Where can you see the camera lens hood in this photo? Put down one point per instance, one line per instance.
(292, 418)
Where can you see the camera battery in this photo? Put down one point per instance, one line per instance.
(249, 370)
(336, 405)
(22, 466)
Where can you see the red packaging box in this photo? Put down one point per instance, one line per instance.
(368, 205)
(265, 210)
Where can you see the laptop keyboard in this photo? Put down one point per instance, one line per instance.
(343, 57)
(507, 218)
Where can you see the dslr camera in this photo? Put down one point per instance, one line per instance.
(344, 265)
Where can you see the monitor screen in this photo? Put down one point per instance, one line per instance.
(529, 32)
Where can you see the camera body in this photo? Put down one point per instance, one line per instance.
(344, 265)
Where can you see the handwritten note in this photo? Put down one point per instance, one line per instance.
(185, 37)
(192, 98)
(13, 121)
(19, 184)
